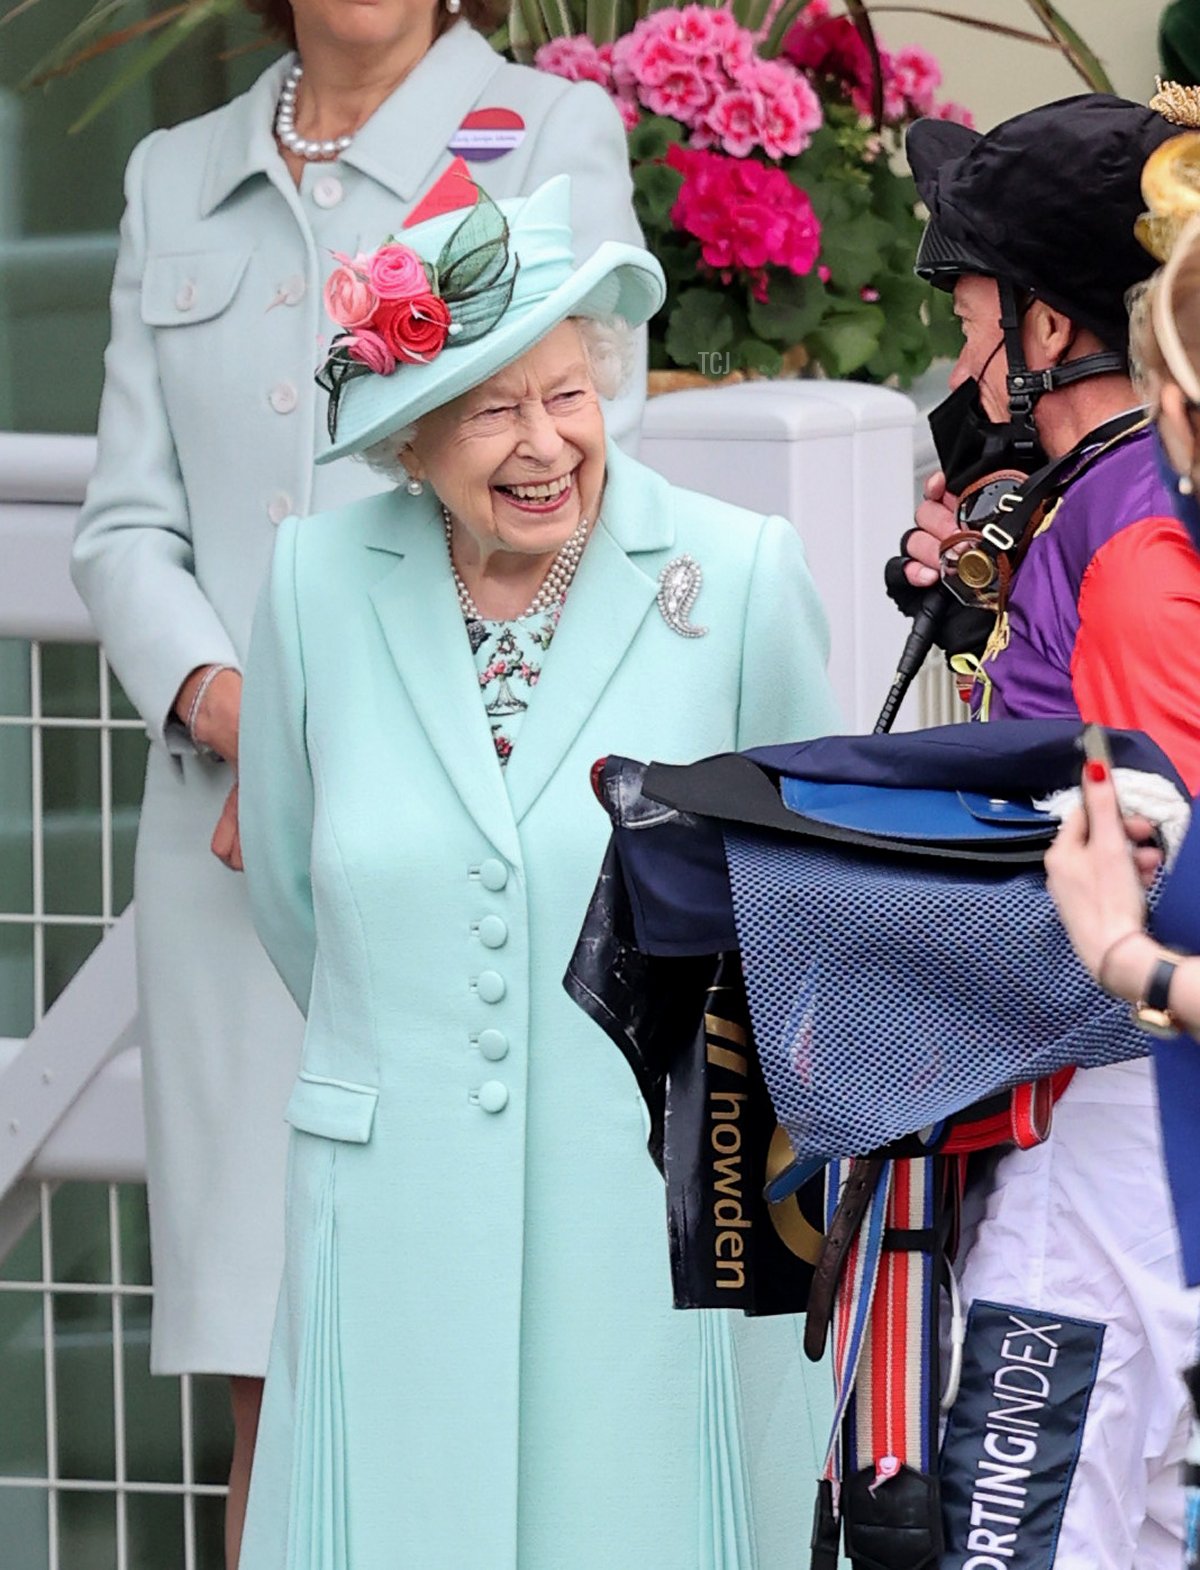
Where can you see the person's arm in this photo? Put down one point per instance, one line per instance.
(133, 561)
(784, 693)
(1136, 660)
(582, 136)
(275, 809)
(1093, 875)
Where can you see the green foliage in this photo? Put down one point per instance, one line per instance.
(655, 188)
(652, 136)
(795, 307)
(864, 315)
(847, 338)
(700, 323)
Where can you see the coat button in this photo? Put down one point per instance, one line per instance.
(327, 192)
(283, 397)
(279, 508)
(493, 932)
(186, 296)
(493, 875)
(493, 1095)
(493, 1044)
(491, 986)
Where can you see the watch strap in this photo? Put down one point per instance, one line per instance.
(1153, 1011)
(1158, 989)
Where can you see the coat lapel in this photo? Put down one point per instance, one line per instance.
(607, 603)
(243, 143)
(398, 147)
(423, 627)
(406, 136)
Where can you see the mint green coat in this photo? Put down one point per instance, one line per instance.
(476, 1364)
(209, 426)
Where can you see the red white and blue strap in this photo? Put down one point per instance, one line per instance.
(885, 1329)
(891, 1419)
(852, 1307)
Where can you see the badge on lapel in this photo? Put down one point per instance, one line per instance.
(487, 134)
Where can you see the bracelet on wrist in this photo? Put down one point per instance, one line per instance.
(1117, 943)
(193, 713)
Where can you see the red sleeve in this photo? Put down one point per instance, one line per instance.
(1136, 662)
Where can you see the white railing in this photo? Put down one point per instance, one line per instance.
(70, 1103)
(68, 1108)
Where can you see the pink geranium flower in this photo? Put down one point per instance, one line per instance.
(746, 216)
(576, 59)
(683, 94)
(790, 110)
(734, 121)
(959, 113)
(628, 110)
(828, 46)
(917, 77)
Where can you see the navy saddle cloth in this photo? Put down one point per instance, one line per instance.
(902, 957)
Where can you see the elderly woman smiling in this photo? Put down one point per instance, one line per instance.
(476, 1360)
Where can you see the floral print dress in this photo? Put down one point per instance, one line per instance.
(508, 658)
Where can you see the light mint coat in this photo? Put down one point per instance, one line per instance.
(476, 1362)
(208, 429)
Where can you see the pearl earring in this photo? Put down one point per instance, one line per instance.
(1186, 485)
(453, 7)
(415, 487)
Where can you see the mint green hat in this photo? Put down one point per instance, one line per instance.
(505, 274)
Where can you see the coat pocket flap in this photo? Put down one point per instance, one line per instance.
(332, 1108)
(191, 287)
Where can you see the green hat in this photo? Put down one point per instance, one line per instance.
(498, 277)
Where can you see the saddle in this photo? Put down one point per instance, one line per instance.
(836, 974)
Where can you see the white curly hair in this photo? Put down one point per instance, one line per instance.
(611, 349)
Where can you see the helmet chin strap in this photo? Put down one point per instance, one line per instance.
(1025, 387)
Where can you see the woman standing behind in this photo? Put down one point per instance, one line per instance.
(209, 427)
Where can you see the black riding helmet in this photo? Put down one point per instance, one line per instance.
(1045, 203)
(1047, 200)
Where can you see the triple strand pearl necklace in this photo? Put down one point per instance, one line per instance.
(285, 125)
(554, 585)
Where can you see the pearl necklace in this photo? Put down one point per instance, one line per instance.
(285, 125)
(554, 585)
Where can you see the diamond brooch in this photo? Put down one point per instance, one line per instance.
(678, 585)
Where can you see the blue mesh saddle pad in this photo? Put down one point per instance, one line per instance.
(886, 994)
(931, 817)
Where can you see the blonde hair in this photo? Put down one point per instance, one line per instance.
(1164, 321)
(610, 346)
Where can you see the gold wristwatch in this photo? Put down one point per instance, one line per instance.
(1152, 1012)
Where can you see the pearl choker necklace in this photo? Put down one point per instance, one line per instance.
(285, 125)
(554, 585)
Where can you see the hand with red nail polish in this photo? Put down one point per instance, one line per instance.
(1095, 877)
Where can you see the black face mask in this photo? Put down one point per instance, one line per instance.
(969, 445)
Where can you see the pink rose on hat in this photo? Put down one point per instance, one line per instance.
(396, 272)
(370, 350)
(349, 298)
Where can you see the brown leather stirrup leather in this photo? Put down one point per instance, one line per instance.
(843, 1229)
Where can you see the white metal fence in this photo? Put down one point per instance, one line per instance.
(102, 1467)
